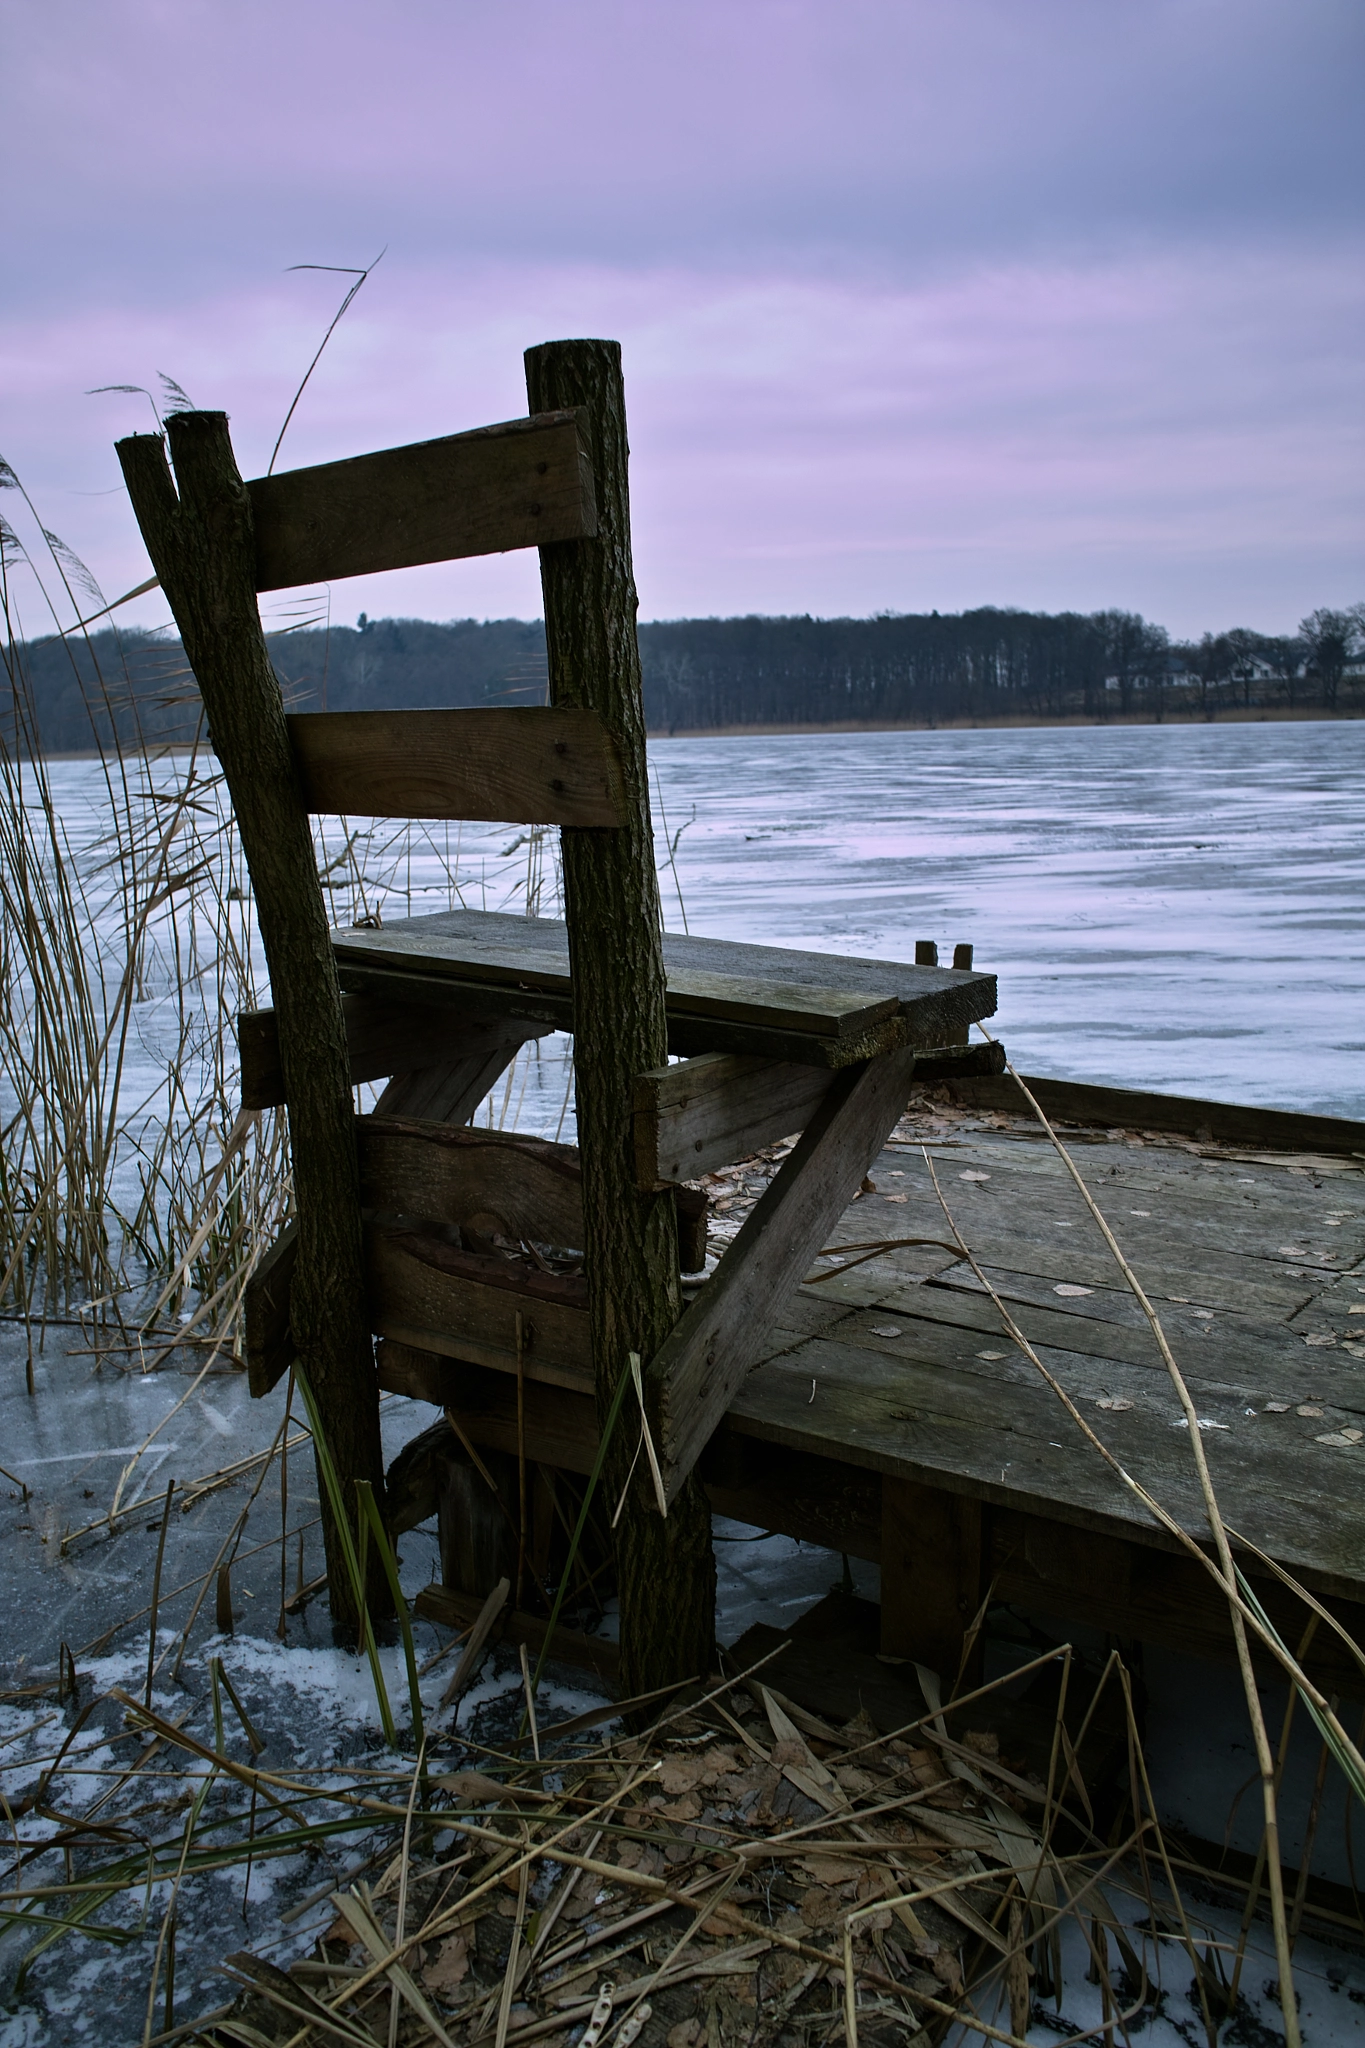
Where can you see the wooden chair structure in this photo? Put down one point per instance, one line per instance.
(690, 1053)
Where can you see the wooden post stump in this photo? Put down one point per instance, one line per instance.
(202, 546)
(666, 1569)
(932, 1577)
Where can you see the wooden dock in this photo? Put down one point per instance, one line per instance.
(891, 1418)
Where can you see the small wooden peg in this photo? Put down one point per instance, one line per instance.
(926, 953)
(962, 956)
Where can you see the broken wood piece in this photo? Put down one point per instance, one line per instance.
(270, 1349)
(522, 765)
(480, 1624)
(383, 1037)
(519, 484)
(456, 1610)
(427, 1293)
(707, 1112)
(702, 1364)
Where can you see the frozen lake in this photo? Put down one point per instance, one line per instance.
(1177, 908)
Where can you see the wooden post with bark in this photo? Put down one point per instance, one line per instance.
(665, 1567)
(199, 533)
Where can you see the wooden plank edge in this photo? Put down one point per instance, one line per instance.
(1284, 1130)
(509, 764)
(453, 1609)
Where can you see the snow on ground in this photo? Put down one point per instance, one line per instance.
(314, 1704)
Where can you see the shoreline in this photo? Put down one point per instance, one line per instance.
(1257, 715)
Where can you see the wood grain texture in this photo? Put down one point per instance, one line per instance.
(383, 1037)
(703, 1364)
(1137, 1110)
(516, 485)
(491, 1180)
(199, 533)
(769, 1002)
(526, 765)
(428, 1294)
(707, 1112)
(451, 1091)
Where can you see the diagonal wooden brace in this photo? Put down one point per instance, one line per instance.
(700, 1367)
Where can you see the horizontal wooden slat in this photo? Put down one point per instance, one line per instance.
(383, 1037)
(722, 996)
(1229, 1123)
(704, 1113)
(427, 1294)
(524, 765)
(518, 485)
(490, 1180)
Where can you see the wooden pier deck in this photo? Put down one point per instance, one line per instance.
(892, 1418)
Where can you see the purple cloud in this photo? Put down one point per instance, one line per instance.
(1046, 306)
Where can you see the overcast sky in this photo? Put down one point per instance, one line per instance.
(924, 303)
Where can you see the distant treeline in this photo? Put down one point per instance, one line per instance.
(911, 668)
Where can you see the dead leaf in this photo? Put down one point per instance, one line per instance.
(1069, 1287)
(851, 1779)
(474, 1785)
(991, 1356)
(686, 1808)
(685, 2035)
(819, 1906)
(972, 1174)
(829, 1870)
(449, 1966)
(680, 1774)
(1310, 1412)
(884, 1329)
(1339, 1437)
(1277, 1407)
(984, 1741)
(1116, 1403)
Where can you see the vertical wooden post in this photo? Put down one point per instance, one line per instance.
(202, 547)
(931, 1575)
(665, 1568)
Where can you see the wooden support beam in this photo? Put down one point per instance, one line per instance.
(815, 1499)
(697, 1373)
(932, 1576)
(199, 533)
(611, 889)
(385, 1037)
(430, 1293)
(708, 1112)
(517, 485)
(527, 765)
